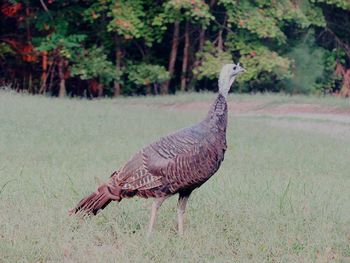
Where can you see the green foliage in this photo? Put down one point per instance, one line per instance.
(259, 60)
(258, 20)
(267, 18)
(259, 37)
(5, 50)
(196, 11)
(97, 36)
(68, 46)
(344, 4)
(127, 18)
(327, 82)
(312, 14)
(263, 60)
(146, 74)
(307, 69)
(93, 63)
(212, 60)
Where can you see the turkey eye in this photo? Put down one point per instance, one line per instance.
(234, 68)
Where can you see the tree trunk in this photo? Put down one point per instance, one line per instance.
(62, 91)
(185, 58)
(155, 88)
(201, 39)
(51, 74)
(198, 61)
(24, 82)
(172, 59)
(200, 45)
(27, 21)
(30, 84)
(148, 89)
(116, 89)
(220, 38)
(44, 74)
(118, 55)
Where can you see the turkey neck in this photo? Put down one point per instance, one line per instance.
(217, 115)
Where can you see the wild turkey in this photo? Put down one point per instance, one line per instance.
(177, 163)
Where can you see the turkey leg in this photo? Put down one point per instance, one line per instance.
(181, 207)
(155, 206)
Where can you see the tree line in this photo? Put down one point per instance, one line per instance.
(112, 47)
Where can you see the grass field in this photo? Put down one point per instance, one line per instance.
(281, 195)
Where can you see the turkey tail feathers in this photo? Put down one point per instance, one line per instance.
(95, 202)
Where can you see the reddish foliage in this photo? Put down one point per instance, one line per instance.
(67, 74)
(344, 73)
(339, 70)
(95, 87)
(13, 43)
(11, 10)
(44, 61)
(345, 89)
(123, 23)
(25, 50)
(28, 53)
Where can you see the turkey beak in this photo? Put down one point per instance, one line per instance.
(241, 70)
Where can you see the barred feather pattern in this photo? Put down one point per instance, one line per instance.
(179, 162)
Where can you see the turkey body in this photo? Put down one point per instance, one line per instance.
(176, 163)
(179, 162)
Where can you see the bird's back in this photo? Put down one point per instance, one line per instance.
(180, 161)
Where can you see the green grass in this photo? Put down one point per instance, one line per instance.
(269, 99)
(281, 195)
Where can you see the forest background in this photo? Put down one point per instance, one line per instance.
(93, 48)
